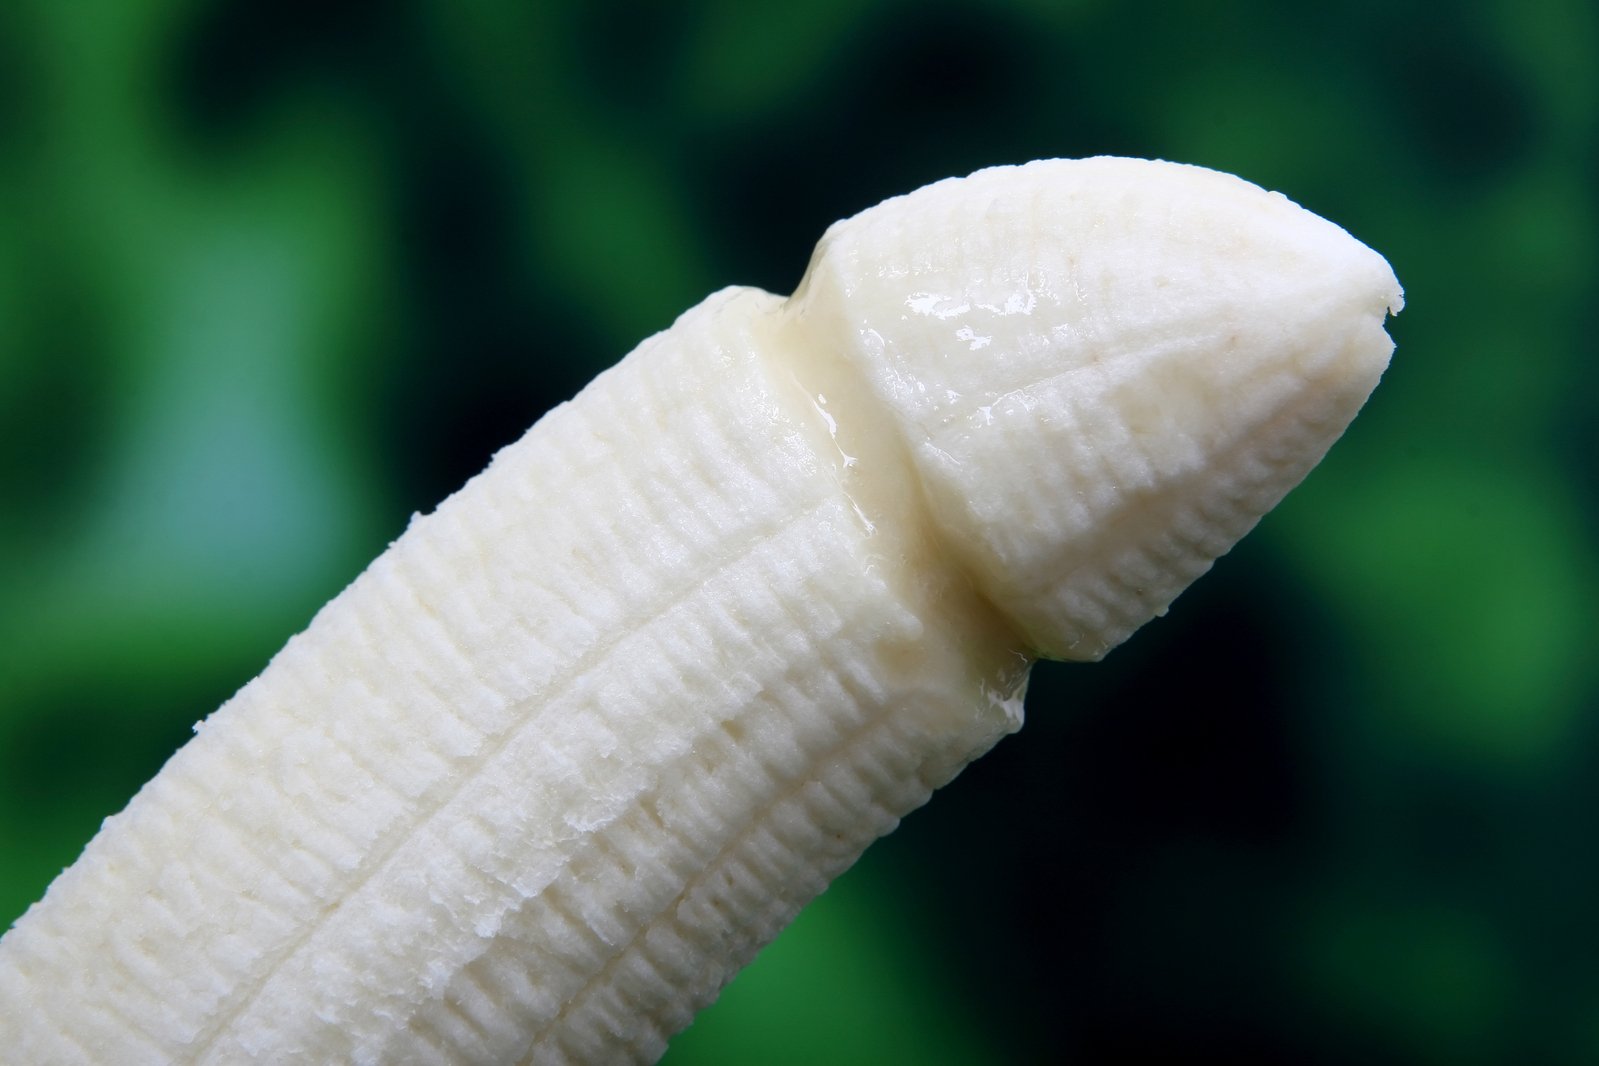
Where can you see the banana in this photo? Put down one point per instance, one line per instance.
(538, 783)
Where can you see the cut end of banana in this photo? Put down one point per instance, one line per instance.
(1105, 371)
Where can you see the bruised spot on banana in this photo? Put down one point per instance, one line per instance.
(546, 775)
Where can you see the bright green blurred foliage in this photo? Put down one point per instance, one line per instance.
(274, 275)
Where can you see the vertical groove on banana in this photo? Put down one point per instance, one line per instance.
(541, 780)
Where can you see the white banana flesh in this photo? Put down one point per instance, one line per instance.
(538, 783)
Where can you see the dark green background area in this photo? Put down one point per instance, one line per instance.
(274, 275)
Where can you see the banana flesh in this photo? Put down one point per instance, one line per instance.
(546, 775)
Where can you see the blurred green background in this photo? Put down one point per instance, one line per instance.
(275, 274)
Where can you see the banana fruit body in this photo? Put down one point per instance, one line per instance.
(538, 783)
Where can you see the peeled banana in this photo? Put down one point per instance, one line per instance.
(537, 784)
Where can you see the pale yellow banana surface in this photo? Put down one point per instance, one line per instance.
(541, 780)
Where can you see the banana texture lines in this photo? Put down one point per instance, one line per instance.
(537, 784)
